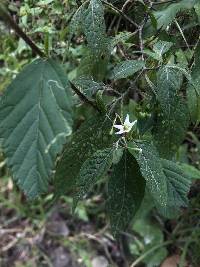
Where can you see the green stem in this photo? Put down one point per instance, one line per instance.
(142, 257)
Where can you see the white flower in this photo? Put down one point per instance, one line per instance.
(126, 126)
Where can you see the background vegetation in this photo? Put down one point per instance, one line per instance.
(39, 233)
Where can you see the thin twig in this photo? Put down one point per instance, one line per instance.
(9, 20)
(84, 98)
(121, 13)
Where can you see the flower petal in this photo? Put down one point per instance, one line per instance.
(120, 127)
(127, 119)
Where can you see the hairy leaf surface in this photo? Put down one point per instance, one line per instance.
(178, 185)
(170, 129)
(94, 27)
(126, 189)
(126, 68)
(92, 169)
(151, 169)
(35, 118)
(93, 135)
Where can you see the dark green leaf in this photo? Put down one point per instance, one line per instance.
(170, 129)
(126, 189)
(168, 84)
(93, 135)
(91, 171)
(35, 118)
(178, 184)
(94, 27)
(151, 169)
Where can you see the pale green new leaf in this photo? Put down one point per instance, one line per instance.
(178, 185)
(93, 135)
(151, 169)
(190, 171)
(126, 68)
(35, 118)
(126, 189)
(91, 171)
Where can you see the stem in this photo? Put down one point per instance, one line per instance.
(9, 20)
(121, 13)
(142, 257)
(83, 97)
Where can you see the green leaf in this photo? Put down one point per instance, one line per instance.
(93, 135)
(170, 129)
(151, 169)
(178, 184)
(35, 118)
(190, 171)
(94, 27)
(162, 47)
(193, 89)
(91, 171)
(93, 66)
(166, 16)
(168, 84)
(76, 22)
(87, 85)
(126, 68)
(126, 189)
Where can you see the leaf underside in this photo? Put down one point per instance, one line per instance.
(35, 118)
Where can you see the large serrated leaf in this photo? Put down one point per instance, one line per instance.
(126, 68)
(126, 189)
(151, 168)
(92, 169)
(93, 135)
(35, 118)
(170, 129)
(178, 185)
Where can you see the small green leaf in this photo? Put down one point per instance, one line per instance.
(93, 135)
(35, 118)
(126, 68)
(91, 171)
(190, 171)
(151, 169)
(87, 85)
(126, 189)
(162, 47)
(178, 184)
